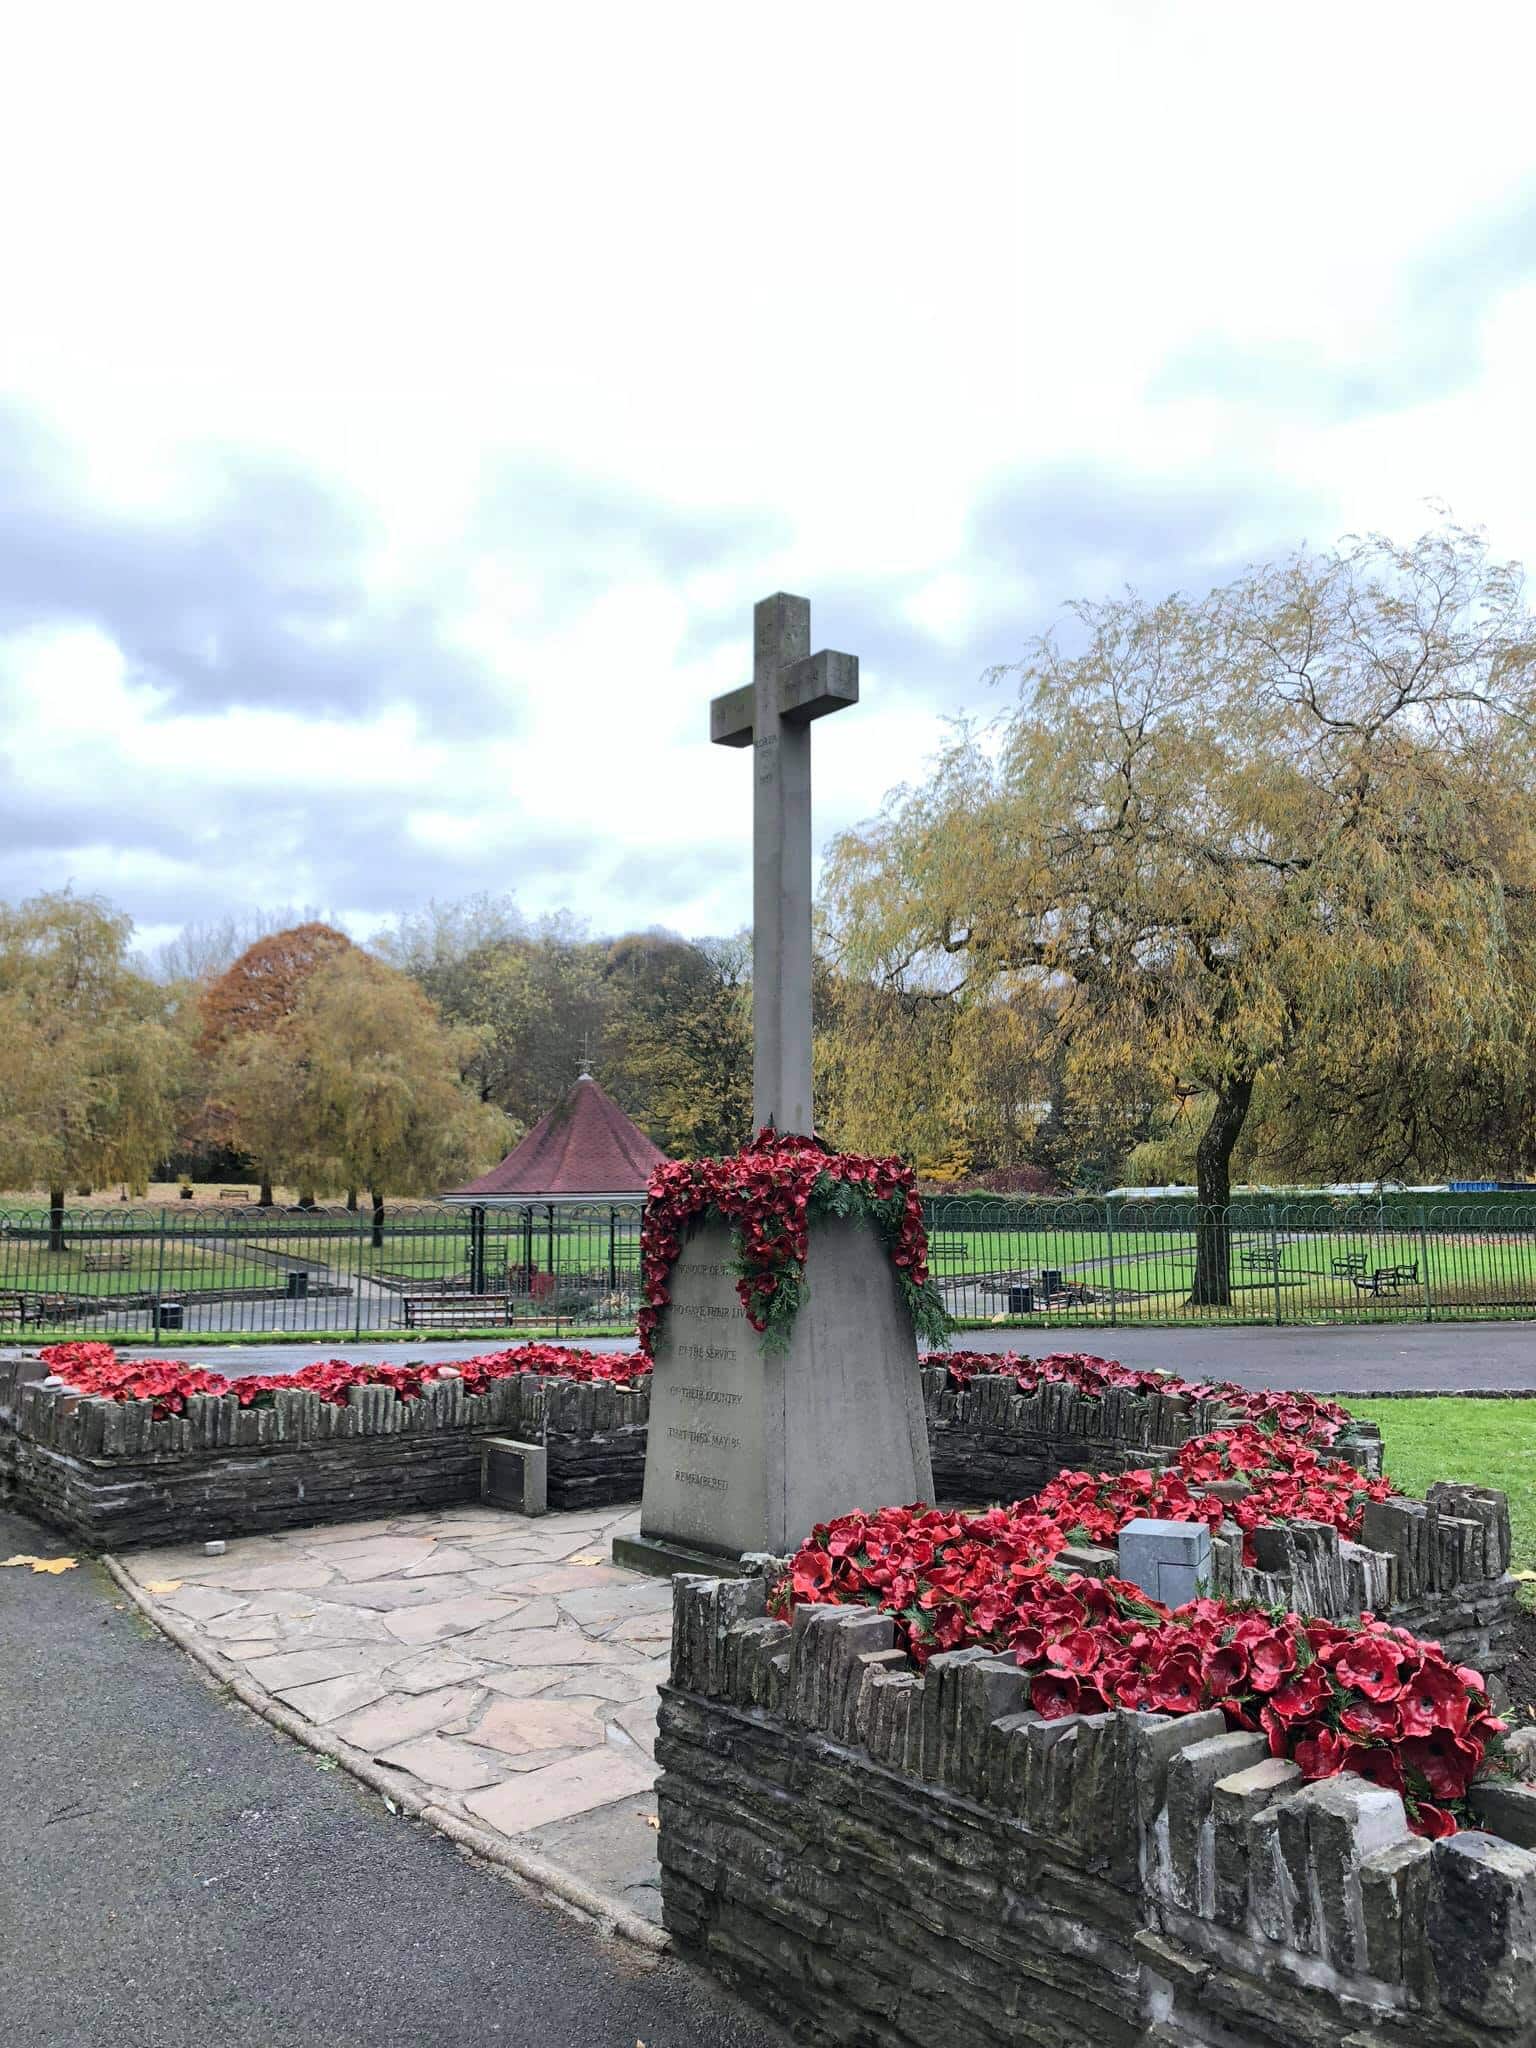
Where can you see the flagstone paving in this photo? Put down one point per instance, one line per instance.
(503, 1667)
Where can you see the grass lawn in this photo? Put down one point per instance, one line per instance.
(578, 1253)
(1484, 1443)
(1152, 1271)
(28, 1267)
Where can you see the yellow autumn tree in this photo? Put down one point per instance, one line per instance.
(91, 1053)
(1281, 834)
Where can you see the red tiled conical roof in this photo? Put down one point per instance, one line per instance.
(586, 1145)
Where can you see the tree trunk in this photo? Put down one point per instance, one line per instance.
(306, 1199)
(56, 1219)
(265, 1195)
(1213, 1187)
(378, 1221)
(352, 1200)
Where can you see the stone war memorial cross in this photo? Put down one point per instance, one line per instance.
(748, 1448)
(772, 715)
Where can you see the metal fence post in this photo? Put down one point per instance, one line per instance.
(357, 1273)
(1429, 1301)
(1109, 1261)
(1274, 1271)
(159, 1273)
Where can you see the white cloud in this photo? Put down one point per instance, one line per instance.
(780, 310)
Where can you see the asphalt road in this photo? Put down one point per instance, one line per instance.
(175, 1874)
(1341, 1358)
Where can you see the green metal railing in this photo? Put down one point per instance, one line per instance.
(125, 1272)
(1112, 1262)
(152, 1272)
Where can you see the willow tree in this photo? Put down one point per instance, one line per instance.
(363, 1087)
(1283, 831)
(957, 1089)
(90, 1052)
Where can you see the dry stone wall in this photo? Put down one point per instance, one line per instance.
(112, 1477)
(990, 1442)
(884, 1857)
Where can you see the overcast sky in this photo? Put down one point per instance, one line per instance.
(402, 407)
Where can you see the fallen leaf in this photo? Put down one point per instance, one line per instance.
(596, 1557)
(162, 1585)
(651, 1821)
(55, 1565)
(390, 1804)
(1523, 1575)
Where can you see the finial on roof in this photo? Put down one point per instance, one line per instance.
(586, 1057)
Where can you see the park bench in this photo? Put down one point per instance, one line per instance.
(946, 1253)
(43, 1309)
(1349, 1266)
(114, 1261)
(234, 1194)
(1389, 1279)
(1263, 1258)
(451, 1311)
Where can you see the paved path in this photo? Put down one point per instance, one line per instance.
(1346, 1358)
(176, 1875)
(501, 1668)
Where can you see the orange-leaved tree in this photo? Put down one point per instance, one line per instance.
(257, 997)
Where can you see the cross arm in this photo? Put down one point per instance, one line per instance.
(807, 689)
(821, 683)
(730, 718)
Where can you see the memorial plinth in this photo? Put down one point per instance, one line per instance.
(748, 1447)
